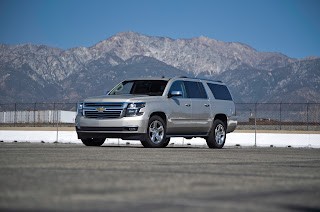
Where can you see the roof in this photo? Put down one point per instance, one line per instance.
(201, 79)
(167, 79)
(150, 78)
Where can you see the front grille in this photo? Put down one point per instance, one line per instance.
(104, 114)
(103, 110)
(103, 104)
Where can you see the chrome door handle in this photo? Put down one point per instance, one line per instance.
(206, 105)
(188, 105)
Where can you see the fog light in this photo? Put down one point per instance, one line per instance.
(132, 128)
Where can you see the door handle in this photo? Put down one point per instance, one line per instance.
(206, 105)
(188, 105)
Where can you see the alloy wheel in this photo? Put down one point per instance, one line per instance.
(220, 134)
(156, 131)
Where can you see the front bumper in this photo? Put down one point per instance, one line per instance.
(132, 128)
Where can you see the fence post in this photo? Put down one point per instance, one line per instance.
(15, 114)
(57, 126)
(54, 109)
(308, 116)
(255, 125)
(280, 116)
(34, 114)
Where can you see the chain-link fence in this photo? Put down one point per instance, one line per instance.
(278, 116)
(259, 124)
(251, 116)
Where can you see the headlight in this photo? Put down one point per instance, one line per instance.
(133, 109)
(80, 109)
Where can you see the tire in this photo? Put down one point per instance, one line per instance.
(93, 141)
(217, 135)
(165, 144)
(156, 133)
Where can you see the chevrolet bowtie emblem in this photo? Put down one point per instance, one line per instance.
(100, 109)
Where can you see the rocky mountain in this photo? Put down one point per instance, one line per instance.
(299, 82)
(196, 55)
(30, 73)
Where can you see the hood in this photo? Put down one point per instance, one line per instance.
(121, 98)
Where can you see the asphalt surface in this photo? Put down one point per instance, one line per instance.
(72, 177)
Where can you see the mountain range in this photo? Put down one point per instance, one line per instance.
(39, 73)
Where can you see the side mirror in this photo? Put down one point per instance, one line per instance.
(175, 93)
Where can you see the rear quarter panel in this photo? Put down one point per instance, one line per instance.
(221, 107)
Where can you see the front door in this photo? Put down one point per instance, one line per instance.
(180, 116)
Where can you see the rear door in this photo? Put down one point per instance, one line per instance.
(200, 107)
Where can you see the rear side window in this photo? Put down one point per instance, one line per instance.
(220, 92)
(195, 90)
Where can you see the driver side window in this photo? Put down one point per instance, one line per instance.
(123, 88)
(178, 86)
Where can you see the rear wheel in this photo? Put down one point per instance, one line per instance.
(93, 141)
(156, 133)
(217, 135)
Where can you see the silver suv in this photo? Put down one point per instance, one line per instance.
(154, 109)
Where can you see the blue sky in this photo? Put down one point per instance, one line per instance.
(291, 27)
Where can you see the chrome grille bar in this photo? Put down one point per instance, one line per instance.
(103, 104)
(104, 114)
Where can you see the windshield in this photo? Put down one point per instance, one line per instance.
(140, 87)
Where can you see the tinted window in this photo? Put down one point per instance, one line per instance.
(203, 91)
(195, 90)
(220, 91)
(123, 88)
(177, 86)
(144, 87)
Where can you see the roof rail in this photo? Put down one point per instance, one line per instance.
(201, 79)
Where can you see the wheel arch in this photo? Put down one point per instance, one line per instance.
(223, 118)
(160, 114)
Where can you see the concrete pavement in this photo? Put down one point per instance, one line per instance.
(72, 177)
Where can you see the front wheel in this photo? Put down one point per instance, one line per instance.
(165, 144)
(156, 133)
(93, 141)
(217, 135)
